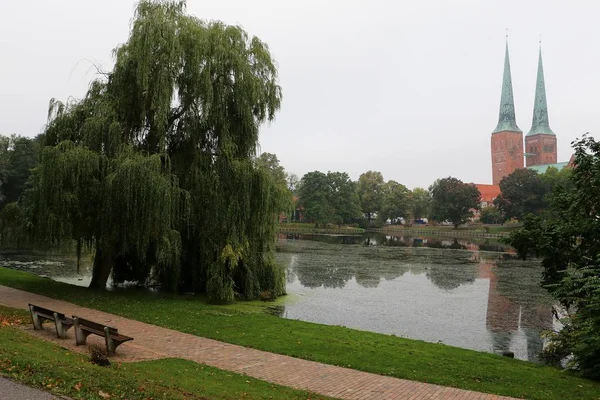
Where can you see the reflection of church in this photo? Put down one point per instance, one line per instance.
(511, 318)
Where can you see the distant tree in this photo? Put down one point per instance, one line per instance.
(553, 178)
(343, 198)
(370, 192)
(556, 183)
(18, 156)
(491, 215)
(420, 201)
(453, 200)
(293, 181)
(568, 241)
(396, 201)
(522, 192)
(314, 196)
(270, 163)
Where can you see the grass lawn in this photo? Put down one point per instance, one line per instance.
(462, 228)
(246, 324)
(35, 362)
(310, 227)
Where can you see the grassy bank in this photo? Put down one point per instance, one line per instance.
(245, 324)
(37, 363)
(304, 227)
(484, 231)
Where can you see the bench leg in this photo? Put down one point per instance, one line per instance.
(80, 335)
(110, 344)
(37, 323)
(61, 333)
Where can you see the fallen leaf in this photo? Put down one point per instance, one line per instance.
(103, 395)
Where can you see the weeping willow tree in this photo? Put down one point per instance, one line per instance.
(155, 168)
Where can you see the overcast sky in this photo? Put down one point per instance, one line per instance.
(411, 89)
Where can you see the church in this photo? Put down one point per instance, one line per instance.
(509, 151)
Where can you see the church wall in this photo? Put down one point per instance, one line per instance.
(507, 154)
(543, 149)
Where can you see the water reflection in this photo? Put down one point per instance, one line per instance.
(459, 292)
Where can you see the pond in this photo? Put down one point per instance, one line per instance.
(472, 295)
(459, 292)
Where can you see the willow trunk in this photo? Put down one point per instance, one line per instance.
(103, 264)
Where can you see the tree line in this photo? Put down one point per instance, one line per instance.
(333, 198)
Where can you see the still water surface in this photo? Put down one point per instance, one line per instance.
(457, 292)
(474, 296)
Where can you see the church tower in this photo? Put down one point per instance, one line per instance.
(507, 138)
(540, 142)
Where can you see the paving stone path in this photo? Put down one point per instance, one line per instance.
(155, 342)
(10, 390)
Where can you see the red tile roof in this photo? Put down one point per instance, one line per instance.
(488, 192)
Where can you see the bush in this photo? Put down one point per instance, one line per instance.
(98, 355)
(491, 215)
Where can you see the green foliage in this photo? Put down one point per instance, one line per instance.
(13, 227)
(453, 200)
(328, 198)
(421, 203)
(370, 192)
(342, 198)
(18, 156)
(313, 196)
(270, 163)
(491, 215)
(522, 193)
(395, 202)
(568, 240)
(155, 168)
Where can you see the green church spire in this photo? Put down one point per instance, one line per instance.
(540, 122)
(507, 120)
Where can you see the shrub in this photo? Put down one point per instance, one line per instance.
(98, 355)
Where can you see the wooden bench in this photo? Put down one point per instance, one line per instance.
(40, 314)
(85, 327)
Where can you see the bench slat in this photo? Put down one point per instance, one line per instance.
(117, 337)
(86, 323)
(46, 313)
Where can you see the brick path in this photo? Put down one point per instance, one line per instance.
(155, 342)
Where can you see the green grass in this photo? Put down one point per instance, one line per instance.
(245, 324)
(35, 362)
(310, 227)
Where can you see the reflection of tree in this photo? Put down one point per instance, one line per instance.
(492, 246)
(367, 275)
(451, 276)
(453, 244)
(315, 271)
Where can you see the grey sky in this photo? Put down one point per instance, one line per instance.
(411, 89)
